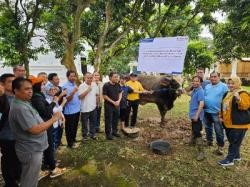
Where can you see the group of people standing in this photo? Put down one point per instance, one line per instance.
(222, 107)
(35, 110)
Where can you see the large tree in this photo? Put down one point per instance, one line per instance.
(114, 27)
(62, 26)
(232, 37)
(18, 21)
(110, 27)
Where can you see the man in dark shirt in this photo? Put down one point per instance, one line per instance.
(112, 95)
(11, 167)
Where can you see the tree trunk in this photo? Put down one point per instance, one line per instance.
(68, 60)
(27, 68)
(100, 46)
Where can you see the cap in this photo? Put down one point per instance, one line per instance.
(36, 80)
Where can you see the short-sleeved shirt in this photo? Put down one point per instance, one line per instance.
(22, 117)
(205, 83)
(213, 97)
(112, 91)
(126, 90)
(88, 103)
(72, 106)
(136, 86)
(196, 96)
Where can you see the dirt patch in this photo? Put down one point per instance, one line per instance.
(173, 130)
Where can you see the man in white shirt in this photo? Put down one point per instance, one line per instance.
(88, 95)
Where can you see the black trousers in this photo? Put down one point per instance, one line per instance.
(111, 115)
(196, 128)
(49, 161)
(10, 165)
(134, 106)
(71, 124)
(235, 138)
(124, 116)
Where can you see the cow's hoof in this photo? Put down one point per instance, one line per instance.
(162, 125)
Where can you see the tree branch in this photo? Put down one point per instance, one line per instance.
(161, 21)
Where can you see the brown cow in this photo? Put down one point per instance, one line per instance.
(165, 90)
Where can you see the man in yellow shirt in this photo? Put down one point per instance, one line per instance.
(133, 98)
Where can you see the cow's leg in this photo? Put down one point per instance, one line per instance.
(163, 111)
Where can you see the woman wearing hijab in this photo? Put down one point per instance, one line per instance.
(45, 110)
(235, 115)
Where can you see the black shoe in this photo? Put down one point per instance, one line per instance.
(116, 135)
(93, 137)
(109, 137)
(209, 143)
(99, 131)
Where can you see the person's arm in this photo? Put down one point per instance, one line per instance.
(106, 98)
(62, 94)
(243, 100)
(71, 95)
(38, 129)
(44, 110)
(200, 108)
(84, 93)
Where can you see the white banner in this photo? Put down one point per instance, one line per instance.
(162, 55)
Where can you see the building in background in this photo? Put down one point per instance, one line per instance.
(241, 68)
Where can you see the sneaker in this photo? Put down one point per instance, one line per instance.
(237, 159)
(109, 137)
(84, 139)
(42, 174)
(74, 146)
(116, 135)
(57, 172)
(226, 162)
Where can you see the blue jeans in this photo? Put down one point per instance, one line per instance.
(235, 137)
(57, 135)
(212, 120)
(98, 118)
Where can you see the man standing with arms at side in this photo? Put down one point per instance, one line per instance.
(10, 165)
(29, 131)
(112, 95)
(72, 109)
(213, 96)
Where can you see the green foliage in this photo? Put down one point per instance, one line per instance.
(232, 38)
(199, 54)
(59, 13)
(18, 21)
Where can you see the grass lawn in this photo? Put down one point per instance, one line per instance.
(247, 88)
(128, 162)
